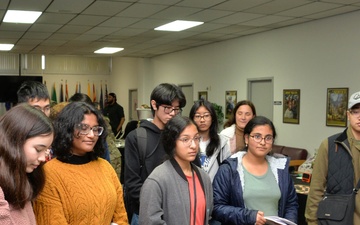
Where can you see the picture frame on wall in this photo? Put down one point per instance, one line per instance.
(336, 107)
(291, 106)
(203, 95)
(230, 102)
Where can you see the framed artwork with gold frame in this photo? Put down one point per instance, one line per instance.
(291, 106)
(336, 107)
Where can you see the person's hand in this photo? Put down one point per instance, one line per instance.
(260, 219)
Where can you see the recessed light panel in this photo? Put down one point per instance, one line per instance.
(6, 47)
(108, 50)
(179, 25)
(19, 16)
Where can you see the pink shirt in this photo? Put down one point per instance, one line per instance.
(200, 201)
(11, 216)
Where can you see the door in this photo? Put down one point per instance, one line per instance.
(261, 93)
(189, 95)
(133, 103)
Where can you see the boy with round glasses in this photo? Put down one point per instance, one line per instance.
(166, 101)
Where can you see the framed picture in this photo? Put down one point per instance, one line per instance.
(203, 95)
(230, 102)
(336, 106)
(291, 106)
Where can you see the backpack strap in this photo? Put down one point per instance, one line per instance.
(141, 143)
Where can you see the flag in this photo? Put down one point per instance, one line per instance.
(66, 92)
(88, 90)
(61, 93)
(101, 99)
(106, 95)
(94, 93)
(53, 95)
(77, 88)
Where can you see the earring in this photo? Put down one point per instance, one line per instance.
(246, 145)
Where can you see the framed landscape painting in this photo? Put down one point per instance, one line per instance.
(336, 107)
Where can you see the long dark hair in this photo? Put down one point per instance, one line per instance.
(16, 126)
(64, 124)
(232, 119)
(213, 130)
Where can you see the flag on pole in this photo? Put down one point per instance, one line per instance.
(61, 92)
(88, 90)
(94, 93)
(53, 95)
(79, 88)
(101, 99)
(66, 92)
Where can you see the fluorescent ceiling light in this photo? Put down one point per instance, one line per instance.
(20, 16)
(108, 50)
(179, 25)
(6, 47)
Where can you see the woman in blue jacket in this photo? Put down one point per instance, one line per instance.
(252, 184)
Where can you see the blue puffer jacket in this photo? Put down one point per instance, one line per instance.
(229, 206)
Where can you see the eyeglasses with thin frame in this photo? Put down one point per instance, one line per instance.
(355, 112)
(170, 109)
(258, 138)
(206, 117)
(85, 129)
(188, 141)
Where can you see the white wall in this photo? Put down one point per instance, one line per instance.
(311, 57)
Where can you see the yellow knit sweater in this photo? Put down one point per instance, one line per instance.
(86, 194)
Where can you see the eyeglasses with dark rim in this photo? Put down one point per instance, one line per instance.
(258, 138)
(206, 117)
(188, 141)
(85, 129)
(170, 109)
(355, 113)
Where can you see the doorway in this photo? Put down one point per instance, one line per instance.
(189, 95)
(133, 104)
(261, 93)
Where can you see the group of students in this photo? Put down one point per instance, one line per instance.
(187, 173)
(239, 183)
(77, 186)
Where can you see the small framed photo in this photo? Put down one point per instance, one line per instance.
(291, 106)
(203, 95)
(336, 107)
(230, 102)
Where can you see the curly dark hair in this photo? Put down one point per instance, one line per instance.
(172, 131)
(213, 130)
(64, 124)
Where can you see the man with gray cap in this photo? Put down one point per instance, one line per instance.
(337, 165)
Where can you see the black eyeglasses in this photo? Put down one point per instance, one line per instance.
(170, 109)
(85, 129)
(206, 117)
(258, 138)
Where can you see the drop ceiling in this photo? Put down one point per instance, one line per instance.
(79, 27)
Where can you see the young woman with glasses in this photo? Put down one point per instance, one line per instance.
(252, 184)
(214, 148)
(80, 187)
(177, 192)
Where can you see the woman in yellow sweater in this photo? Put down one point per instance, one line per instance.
(80, 187)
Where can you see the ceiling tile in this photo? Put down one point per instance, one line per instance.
(105, 8)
